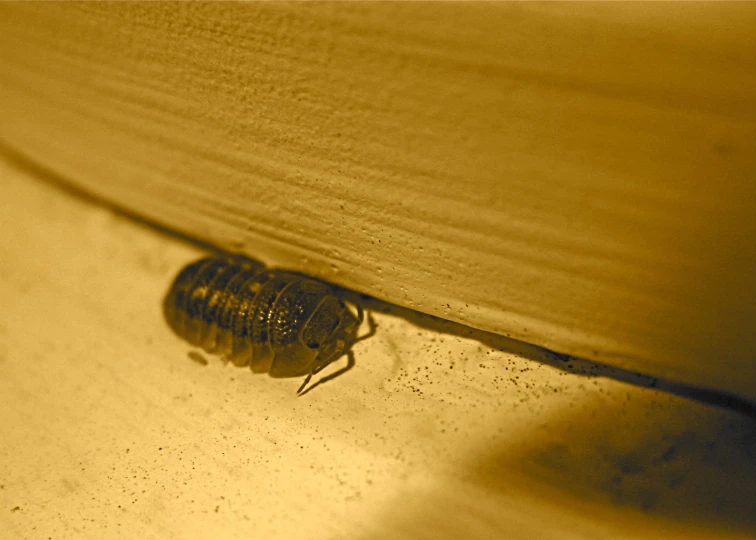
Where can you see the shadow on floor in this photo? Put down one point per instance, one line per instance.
(641, 468)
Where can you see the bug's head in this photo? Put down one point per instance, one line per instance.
(331, 329)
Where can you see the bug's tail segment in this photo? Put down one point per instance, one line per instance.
(174, 304)
(201, 291)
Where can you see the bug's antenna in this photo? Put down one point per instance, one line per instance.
(307, 379)
(350, 365)
(373, 326)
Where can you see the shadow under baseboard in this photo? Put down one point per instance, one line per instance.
(563, 362)
(571, 364)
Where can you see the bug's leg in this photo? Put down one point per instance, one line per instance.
(371, 332)
(350, 364)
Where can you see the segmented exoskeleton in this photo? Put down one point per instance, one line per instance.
(277, 322)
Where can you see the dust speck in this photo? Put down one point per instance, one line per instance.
(194, 356)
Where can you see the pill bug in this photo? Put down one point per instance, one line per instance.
(274, 321)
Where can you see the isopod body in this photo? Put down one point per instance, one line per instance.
(274, 321)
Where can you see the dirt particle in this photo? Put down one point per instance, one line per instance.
(194, 356)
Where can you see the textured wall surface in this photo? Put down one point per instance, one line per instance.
(576, 176)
